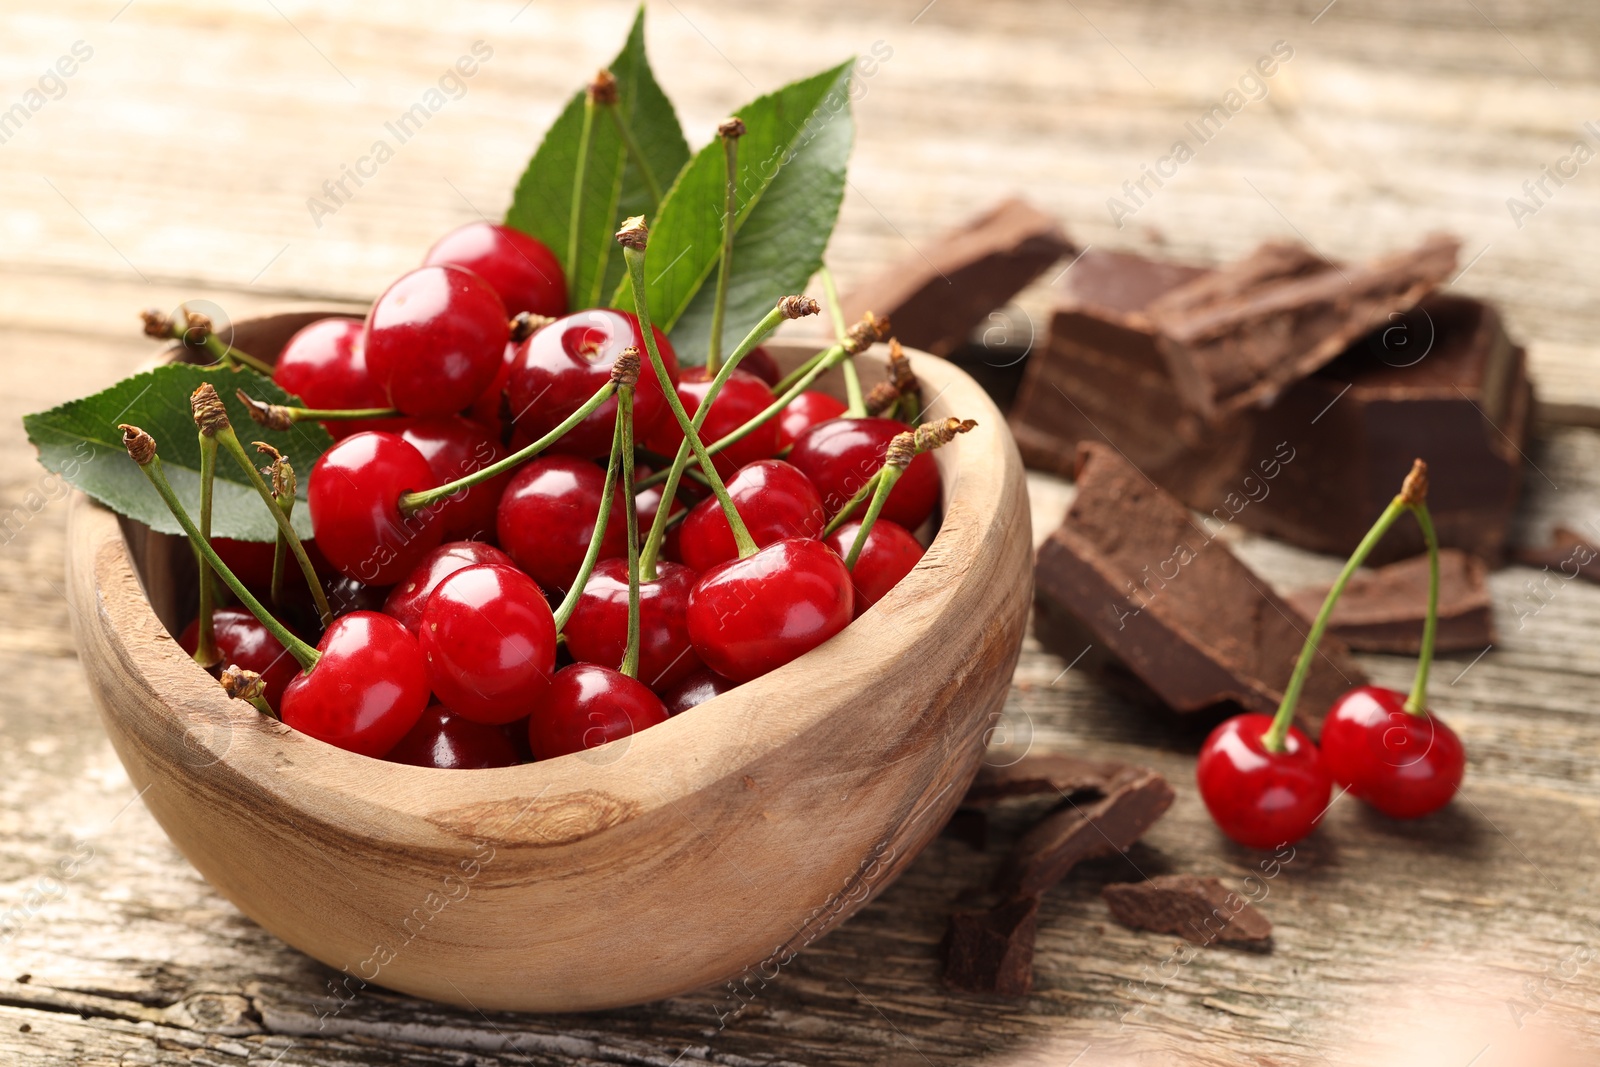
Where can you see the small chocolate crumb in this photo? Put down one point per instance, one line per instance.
(1201, 910)
(992, 951)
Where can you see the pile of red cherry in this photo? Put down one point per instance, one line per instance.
(444, 650)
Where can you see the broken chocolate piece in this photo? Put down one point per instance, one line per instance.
(1200, 910)
(992, 951)
(1569, 552)
(1130, 805)
(1383, 610)
(936, 296)
(1044, 773)
(1239, 335)
(1156, 588)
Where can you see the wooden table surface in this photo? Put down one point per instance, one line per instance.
(176, 163)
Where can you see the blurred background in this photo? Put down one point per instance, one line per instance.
(196, 150)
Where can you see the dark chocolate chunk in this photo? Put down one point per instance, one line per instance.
(1383, 610)
(936, 296)
(1201, 910)
(1155, 587)
(1044, 773)
(1568, 552)
(1238, 335)
(992, 951)
(1130, 805)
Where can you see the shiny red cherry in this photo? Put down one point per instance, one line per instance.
(741, 398)
(520, 268)
(1404, 765)
(887, 557)
(567, 362)
(775, 501)
(598, 629)
(366, 692)
(455, 446)
(804, 412)
(588, 705)
(841, 454)
(406, 600)
(435, 340)
(449, 742)
(750, 616)
(759, 361)
(699, 687)
(323, 364)
(493, 407)
(354, 495)
(547, 516)
(244, 642)
(1262, 799)
(488, 641)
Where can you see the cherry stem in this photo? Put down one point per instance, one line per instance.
(886, 478)
(578, 178)
(854, 502)
(230, 443)
(230, 356)
(630, 658)
(591, 556)
(205, 652)
(855, 400)
(303, 653)
(730, 158)
(413, 502)
(634, 257)
(1410, 498)
(295, 414)
(1417, 702)
(280, 551)
(629, 142)
(673, 476)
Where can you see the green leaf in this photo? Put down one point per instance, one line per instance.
(791, 178)
(80, 441)
(614, 187)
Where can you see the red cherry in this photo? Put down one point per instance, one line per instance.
(699, 687)
(741, 398)
(407, 599)
(567, 362)
(354, 495)
(520, 268)
(455, 446)
(449, 742)
(244, 642)
(588, 705)
(251, 561)
(751, 616)
(435, 340)
(759, 361)
(887, 557)
(324, 366)
(598, 629)
(366, 692)
(775, 501)
(1404, 765)
(488, 640)
(841, 454)
(347, 594)
(547, 517)
(493, 407)
(1262, 799)
(804, 412)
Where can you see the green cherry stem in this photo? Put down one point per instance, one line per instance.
(580, 171)
(730, 132)
(205, 651)
(247, 686)
(591, 556)
(862, 494)
(283, 491)
(886, 477)
(413, 502)
(633, 237)
(142, 449)
(284, 416)
(1414, 489)
(903, 448)
(604, 90)
(1417, 702)
(630, 658)
(855, 401)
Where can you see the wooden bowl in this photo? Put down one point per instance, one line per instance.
(710, 848)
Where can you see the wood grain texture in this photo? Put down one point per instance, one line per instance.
(182, 156)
